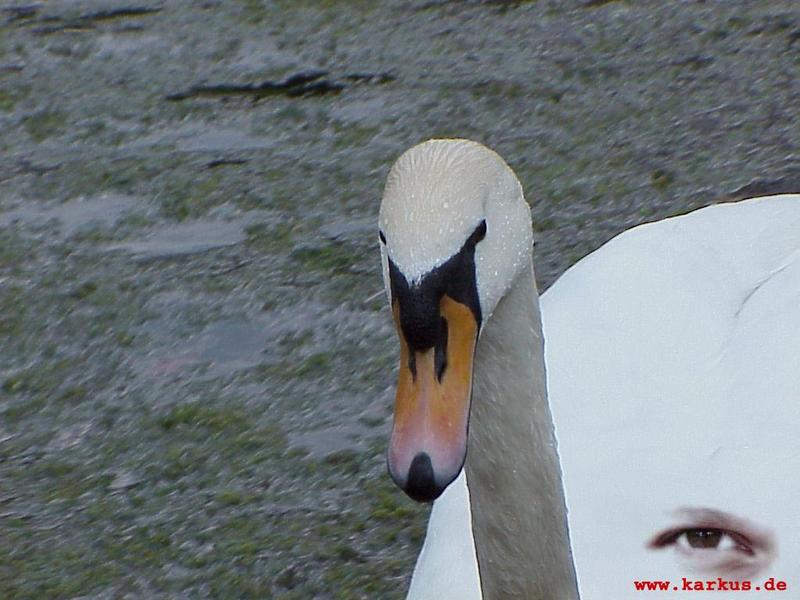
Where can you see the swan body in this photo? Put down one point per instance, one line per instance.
(673, 365)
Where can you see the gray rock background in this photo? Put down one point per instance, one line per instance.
(196, 363)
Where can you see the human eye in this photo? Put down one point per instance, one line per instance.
(705, 539)
(715, 542)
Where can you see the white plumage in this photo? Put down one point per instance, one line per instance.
(673, 365)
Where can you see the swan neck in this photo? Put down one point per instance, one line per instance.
(518, 510)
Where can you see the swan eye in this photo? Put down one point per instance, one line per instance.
(382, 237)
(478, 234)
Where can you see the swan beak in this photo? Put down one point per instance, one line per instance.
(431, 417)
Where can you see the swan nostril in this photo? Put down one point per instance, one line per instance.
(421, 484)
(440, 352)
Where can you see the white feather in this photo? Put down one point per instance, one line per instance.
(673, 359)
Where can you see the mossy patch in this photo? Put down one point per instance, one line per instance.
(45, 124)
(332, 258)
(195, 414)
(661, 179)
(7, 101)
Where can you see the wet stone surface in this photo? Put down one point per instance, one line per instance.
(196, 363)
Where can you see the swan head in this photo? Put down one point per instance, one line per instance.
(455, 231)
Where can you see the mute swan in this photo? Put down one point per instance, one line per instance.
(456, 245)
(673, 362)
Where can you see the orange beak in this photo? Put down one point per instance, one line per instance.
(431, 416)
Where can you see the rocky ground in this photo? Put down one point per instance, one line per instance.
(196, 363)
